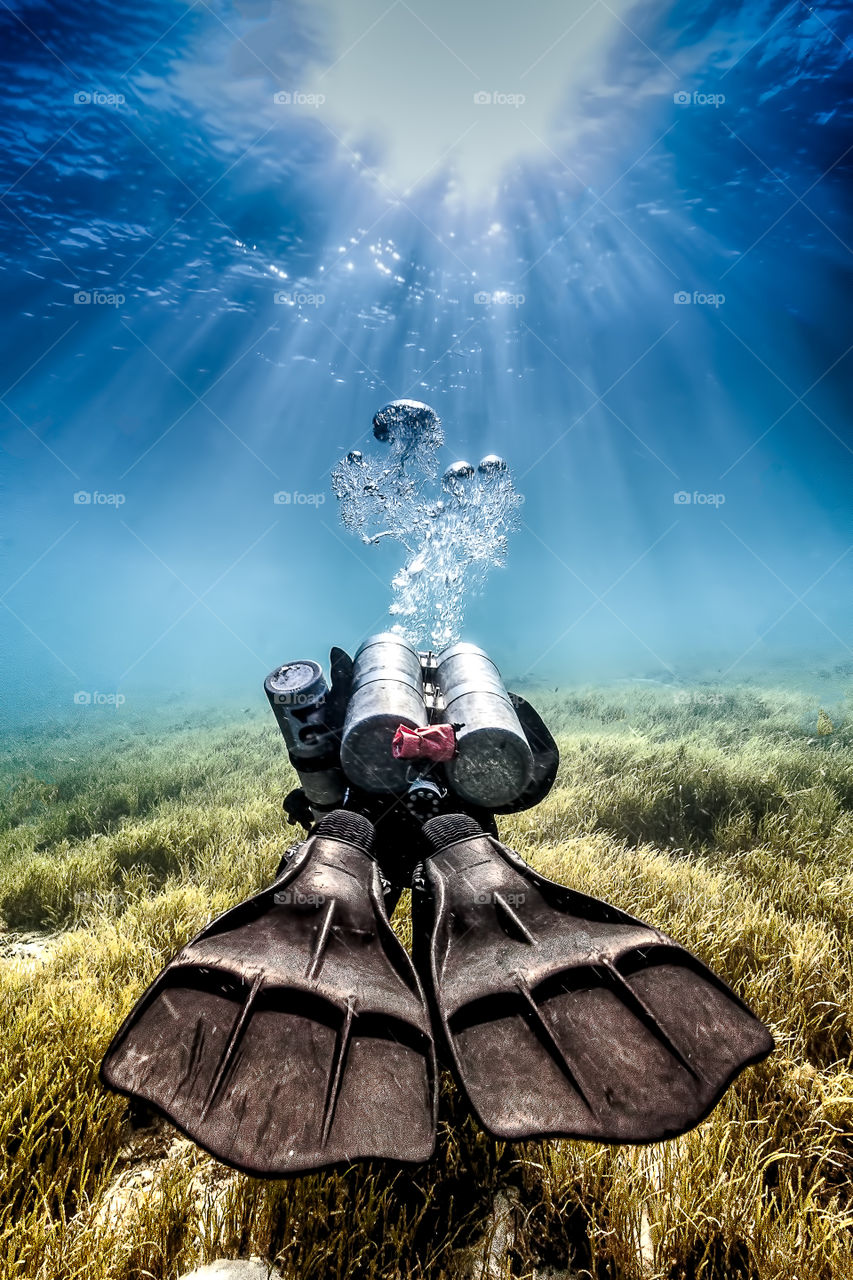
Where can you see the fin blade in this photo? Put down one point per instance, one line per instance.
(649, 1018)
(563, 1015)
(551, 1036)
(315, 960)
(226, 1060)
(341, 1048)
(294, 1077)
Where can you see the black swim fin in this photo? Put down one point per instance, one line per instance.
(293, 1032)
(561, 1015)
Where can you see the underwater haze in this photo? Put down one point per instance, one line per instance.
(609, 242)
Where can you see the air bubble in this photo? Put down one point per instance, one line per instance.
(451, 542)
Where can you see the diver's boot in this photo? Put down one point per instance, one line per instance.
(292, 1033)
(562, 1015)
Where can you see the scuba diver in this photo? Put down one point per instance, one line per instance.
(296, 1032)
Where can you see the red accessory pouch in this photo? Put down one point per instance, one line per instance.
(435, 742)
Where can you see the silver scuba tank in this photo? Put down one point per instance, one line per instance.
(387, 691)
(494, 762)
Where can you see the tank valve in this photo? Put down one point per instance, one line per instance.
(423, 798)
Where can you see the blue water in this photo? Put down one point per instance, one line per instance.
(610, 242)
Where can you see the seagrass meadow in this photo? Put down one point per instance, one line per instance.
(721, 814)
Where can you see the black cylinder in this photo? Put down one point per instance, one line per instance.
(297, 694)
